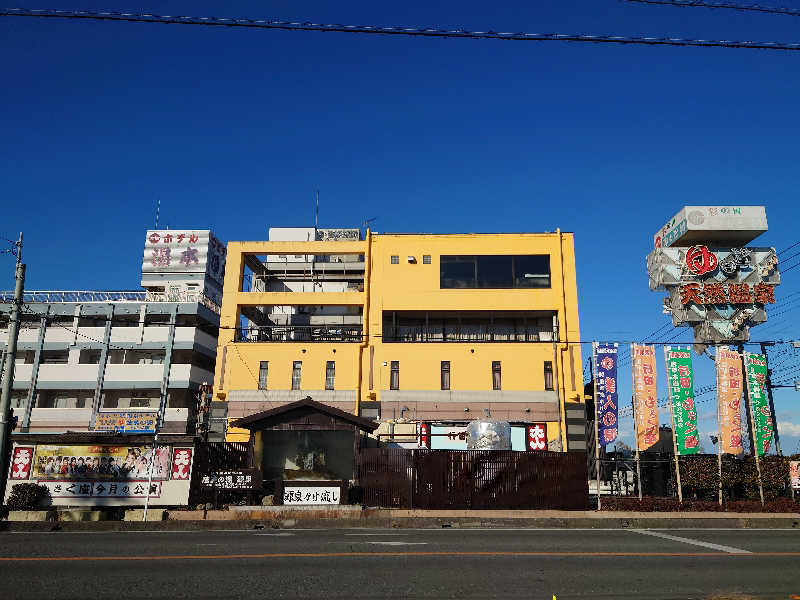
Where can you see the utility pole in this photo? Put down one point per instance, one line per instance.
(8, 371)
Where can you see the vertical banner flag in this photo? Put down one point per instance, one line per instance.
(729, 399)
(756, 366)
(645, 396)
(606, 393)
(680, 378)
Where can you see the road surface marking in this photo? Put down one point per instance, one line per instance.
(675, 538)
(399, 543)
(375, 534)
(394, 555)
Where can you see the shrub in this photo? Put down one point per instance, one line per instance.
(27, 496)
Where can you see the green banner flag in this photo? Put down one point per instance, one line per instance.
(756, 369)
(680, 380)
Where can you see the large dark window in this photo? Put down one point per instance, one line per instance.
(495, 271)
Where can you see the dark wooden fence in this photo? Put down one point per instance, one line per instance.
(478, 479)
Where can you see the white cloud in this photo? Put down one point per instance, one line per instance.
(788, 428)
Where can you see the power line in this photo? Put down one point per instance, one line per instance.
(394, 30)
(797, 243)
(772, 10)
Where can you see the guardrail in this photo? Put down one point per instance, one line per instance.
(55, 296)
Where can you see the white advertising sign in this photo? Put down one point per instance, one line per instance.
(293, 495)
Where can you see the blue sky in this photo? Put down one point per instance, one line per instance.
(234, 130)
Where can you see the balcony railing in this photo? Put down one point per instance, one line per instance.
(300, 333)
(466, 334)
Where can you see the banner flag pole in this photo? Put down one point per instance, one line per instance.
(719, 429)
(635, 421)
(752, 424)
(596, 424)
(674, 433)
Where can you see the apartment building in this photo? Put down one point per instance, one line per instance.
(83, 353)
(421, 326)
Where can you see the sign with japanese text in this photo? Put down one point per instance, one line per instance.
(241, 479)
(756, 374)
(21, 462)
(645, 395)
(102, 489)
(720, 292)
(311, 495)
(606, 397)
(126, 421)
(536, 437)
(181, 463)
(794, 474)
(448, 437)
(730, 384)
(100, 462)
(680, 380)
(184, 251)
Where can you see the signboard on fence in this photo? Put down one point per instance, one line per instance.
(680, 379)
(122, 421)
(606, 392)
(794, 474)
(311, 495)
(756, 373)
(240, 479)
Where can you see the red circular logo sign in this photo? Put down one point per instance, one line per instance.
(700, 260)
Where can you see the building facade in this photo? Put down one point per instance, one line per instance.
(419, 326)
(89, 360)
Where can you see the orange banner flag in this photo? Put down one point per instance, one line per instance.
(730, 381)
(645, 395)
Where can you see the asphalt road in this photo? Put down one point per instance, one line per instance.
(528, 564)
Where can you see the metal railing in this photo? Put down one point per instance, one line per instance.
(54, 296)
(300, 333)
(455, 334)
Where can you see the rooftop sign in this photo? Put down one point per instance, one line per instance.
(717, 225)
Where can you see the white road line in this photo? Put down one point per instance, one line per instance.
(675, 538)
(399, 543)
(373, 534)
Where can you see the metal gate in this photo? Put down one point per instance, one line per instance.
(479, 479)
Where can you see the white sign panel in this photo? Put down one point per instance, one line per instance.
(184, 251)
(311, 495)
(102, 489)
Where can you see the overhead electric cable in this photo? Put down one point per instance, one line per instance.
(395, 30)
(772, 10)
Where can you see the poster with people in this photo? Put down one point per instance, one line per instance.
(100, 462)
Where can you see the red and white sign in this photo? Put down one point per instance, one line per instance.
(424, 435)
(181, 463)
(536, 439)
(21, 463)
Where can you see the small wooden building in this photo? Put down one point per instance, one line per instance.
(308, 444)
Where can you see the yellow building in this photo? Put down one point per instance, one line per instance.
(420, 326)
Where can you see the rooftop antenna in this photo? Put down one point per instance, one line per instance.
(158, 211)
(365, 223)
(316, 212)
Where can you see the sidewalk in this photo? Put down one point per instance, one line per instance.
(279, 517)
